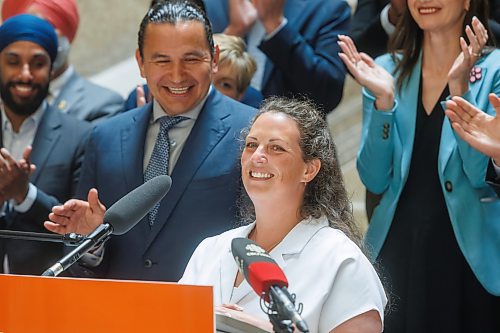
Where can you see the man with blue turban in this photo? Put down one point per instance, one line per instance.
(69, 91)
(41, 148)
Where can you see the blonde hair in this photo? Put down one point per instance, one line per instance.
(232, 53)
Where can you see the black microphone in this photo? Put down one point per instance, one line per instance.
(122, 216)
(268, 281)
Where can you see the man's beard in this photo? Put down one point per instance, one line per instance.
(27, 106)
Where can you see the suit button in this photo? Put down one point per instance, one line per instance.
(148, 263)
(385, 136)
(386, 125)
(448, 186)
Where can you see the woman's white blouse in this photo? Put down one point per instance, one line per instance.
(325, 269)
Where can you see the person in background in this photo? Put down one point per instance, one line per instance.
(235, 71)
(188, 132)
(480, 130)
(374, 21)
(293, 42)
(372, 25)
(41, 148)
(288, 161)
(434, 231)
(69, 91)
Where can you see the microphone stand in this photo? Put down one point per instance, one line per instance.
(71, 239)
(280, 323)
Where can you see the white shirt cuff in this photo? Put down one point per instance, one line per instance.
(24, 206)
(384, 20)
(278, 29)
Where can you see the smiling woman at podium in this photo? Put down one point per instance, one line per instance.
(298, 211)
(300, 214)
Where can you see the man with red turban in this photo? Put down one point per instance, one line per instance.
(69, 92)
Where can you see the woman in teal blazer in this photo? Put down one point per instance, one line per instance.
(436, 230)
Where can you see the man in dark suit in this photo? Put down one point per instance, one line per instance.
(69, 91)
(28, 46)
(177, 57)
(293, 41)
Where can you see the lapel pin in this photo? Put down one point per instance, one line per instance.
(475, 74)
(61, 105)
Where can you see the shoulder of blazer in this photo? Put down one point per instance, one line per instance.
(53, 118)
(490, 60)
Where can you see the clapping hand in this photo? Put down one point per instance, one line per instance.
(367, 73)
(14, 175)
(458, 76)
(476, 127)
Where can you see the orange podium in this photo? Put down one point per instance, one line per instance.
(31, 304)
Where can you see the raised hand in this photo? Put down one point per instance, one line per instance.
(242, 15)
(458, 76)
(14, 175)
(270, 13)
(78, 216)
(140, 98)
(367, 73)
(479, 129)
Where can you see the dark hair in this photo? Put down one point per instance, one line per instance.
(406, 42)
(325, 195)
(174, 11)
(199, 3)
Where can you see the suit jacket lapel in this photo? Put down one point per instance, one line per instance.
(132, 146)
(46, 137)
(208, 130)
(407, 115)
(66, 100)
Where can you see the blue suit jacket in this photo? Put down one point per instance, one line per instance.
(303, 56)
(384, 162)
(58, 149)
(202, 199)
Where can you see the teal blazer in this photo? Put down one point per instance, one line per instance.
(384, 161)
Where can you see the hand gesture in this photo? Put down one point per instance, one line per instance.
(242, 15)
(367, 73)
(77, 216)
(479, 129)
(270, 13)
(14, 175)
(458, 76)
(140, 98)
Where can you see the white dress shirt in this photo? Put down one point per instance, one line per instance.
(325, 269)
(15, 143)
(177, 135)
